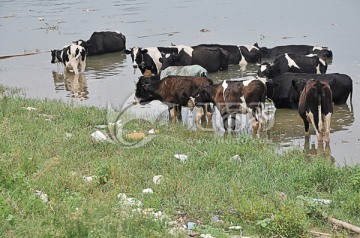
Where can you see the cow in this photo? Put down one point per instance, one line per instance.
(72, 56)
(284, 93)
(310, 64)
(189, 70)
(212, 59)
(272, 53)
(103, 42)
(238, 54)
(148, 59)
(174, 91)
(233, 97)
(316, 107)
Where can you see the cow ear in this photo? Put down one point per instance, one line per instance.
(126, 51)
(143, 51)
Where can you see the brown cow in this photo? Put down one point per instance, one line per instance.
(174, 91)
(316, 106)
(232, 97)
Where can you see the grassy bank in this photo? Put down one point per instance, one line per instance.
(55, 181)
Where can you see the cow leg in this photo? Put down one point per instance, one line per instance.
(315, 124)
(327, 121)
(199, 115)
(233, 121)
(209, 113)
(172, 114)
(178, 113)
(307, 127)
(82, 66)
(74, 66)
(225, 118)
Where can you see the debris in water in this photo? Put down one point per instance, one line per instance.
(204, 30)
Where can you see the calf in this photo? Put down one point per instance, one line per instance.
(149, 58)
(316, 107)
(189, 70)
(232, 97)
(295, 49)
(285, 92)
(242, 54)
(212, 59)
(72, 56)
(174, 91)
(310, 64)
(104, 42)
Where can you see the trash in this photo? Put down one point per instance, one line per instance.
(236, 158)
(191, 225)
(206, 236)
(30, 108)
(98, 136)
(235, 227)
(128, 201)
(136, 135)
(43, 196)
(204, 30)
(157, 179)
(181, 157)
(88, 178)
(322, 201)
(147, 190)
(151, 132)
(68, 135)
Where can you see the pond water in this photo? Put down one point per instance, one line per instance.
(41, 25)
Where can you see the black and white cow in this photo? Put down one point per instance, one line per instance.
(311, 64)
(316, 107)
(282, 90)
(236, 97)
(274, 52)
(212, 59)
(242, 54)
(104, 42)
(72, 56)
(149, 58)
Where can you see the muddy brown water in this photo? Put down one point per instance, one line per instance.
(39, 26)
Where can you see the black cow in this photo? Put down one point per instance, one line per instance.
(242, 54)
(285, 93)
(316, 107)
(274, 52)
(103, 42)
(212, 59)
(311, 64)
(72, 56)
(149, 58)
(174, 91)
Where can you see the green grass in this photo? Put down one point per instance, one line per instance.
(267, 194)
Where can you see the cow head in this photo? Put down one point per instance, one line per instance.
(137, 56)
(142, 95)
(322, 52)
(202, 95)
(82, 43)
(56, 56)
(296, 89)
(170, 60)
(264, 70)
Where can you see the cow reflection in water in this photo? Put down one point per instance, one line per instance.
(76, 85)
(321, 150)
